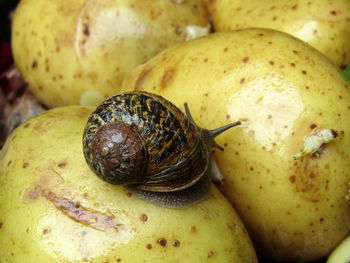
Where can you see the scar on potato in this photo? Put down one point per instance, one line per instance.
(83, 215)
(140, 79)
(168, 76)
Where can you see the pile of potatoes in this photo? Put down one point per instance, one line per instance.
(274, 65)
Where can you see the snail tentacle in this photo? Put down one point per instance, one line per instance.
(207, 135)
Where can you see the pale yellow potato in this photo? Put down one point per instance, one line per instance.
(324, 24)
(54, 209)
(342, 252)
(64, 48)
(281, 90)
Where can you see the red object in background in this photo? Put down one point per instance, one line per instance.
(10, 79)
(5, 56)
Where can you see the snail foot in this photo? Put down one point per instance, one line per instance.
(178, 199)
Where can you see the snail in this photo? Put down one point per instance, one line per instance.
(145, 143)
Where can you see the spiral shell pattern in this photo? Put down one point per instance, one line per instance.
(176, 156)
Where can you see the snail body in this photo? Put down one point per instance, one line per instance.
(144, 142)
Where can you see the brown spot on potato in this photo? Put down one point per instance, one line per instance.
(211, 253)
(34, 64)
(245, 59)
(25, 165)
(242, 80)
(168, 76)
(119, 260)
(144, 218)
(86, 29)
(271, 62)
(149, 246)
(46, 231)
(1, 224)
(162, 242)
(155, 13)
(77, 75)
(326, 187)
(176, 243)
(93, 76)
(193, 229)
(313, 126)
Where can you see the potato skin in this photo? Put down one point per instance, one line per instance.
(53, 209)
(323, 24)
(281, 90)
(64, 48)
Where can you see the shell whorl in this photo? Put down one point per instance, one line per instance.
(175, 156)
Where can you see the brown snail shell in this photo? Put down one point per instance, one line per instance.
(144, 142)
